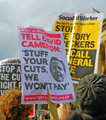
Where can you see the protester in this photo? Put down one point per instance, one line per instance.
(35, 118)
(90, 99)
(47, 116)
(72, 107)
(10, 105)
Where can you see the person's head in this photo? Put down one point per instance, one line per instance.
(91, 97)
(10, 105)
(57, 69)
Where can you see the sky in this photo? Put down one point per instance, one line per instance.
(40, 13)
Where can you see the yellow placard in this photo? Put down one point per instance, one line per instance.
(84, 35)
(81, 38)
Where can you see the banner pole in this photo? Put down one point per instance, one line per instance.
(52, 108)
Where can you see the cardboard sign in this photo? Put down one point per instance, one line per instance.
(44, 63)
(82, 33)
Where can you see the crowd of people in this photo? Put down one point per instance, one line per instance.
(90, 102)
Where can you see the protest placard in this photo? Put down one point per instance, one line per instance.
(10, 74)
(82, 33)
(44, 63)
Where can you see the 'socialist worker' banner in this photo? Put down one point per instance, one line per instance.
(81, 34)
(10, 74)
(44, 63)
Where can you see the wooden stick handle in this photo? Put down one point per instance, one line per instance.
(52, 108)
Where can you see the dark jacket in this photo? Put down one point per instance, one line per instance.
(73, 115)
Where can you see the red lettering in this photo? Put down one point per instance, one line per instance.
(38, 45)
(33, 37)
(43, 38)
(31, 44)
(57, 49)
(23, 36)
(37, 37)
(44, 45)
(58, 42)
(23, 43)
(50, 41)
(28, 36)
(51, 48)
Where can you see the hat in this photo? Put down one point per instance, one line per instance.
(73, 115)
(91, 97)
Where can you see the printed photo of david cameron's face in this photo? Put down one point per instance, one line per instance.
(57, 69)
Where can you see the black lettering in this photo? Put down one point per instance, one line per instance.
(43, 86)
(66, 36)
(45, 61)
(43, 69)
(67, 44)
(26, 60)
(28, 86)
(87, 44)
(67, 29)
(57, 28)
(92, 44)
(26, 68)
(36, 86)
(82, 44)
(28, 77)
(62, 28)
(77, 36)
(66, 50)
(83, 37)
(59, 87)
(26, 53)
